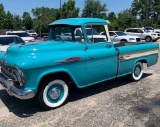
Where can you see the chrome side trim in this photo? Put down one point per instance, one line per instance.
(69, 60)
(128, 56)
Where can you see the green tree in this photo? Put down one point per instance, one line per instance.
(9, 24)
(18, 23)
(69, 10)
(113, 21)
(148, 11)
(93, 8)
(126, 19)
(43, 17)
(2, 16)
(27, 21)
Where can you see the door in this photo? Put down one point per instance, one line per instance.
(101, 56)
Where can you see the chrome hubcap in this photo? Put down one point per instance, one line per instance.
(137, 71)
(148, 39)
(55, 93)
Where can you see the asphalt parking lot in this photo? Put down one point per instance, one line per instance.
(116, 103)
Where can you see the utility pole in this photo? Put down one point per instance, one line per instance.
(151, 13)
(145, 13)
(60, 10)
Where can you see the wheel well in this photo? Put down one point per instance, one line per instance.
(148, 36)
(143, 61)
(60, 75)
(124, 40)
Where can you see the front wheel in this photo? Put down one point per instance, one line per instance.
(148, 39)
(53, 94)
(137, 71)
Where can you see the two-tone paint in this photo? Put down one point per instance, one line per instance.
(85, 63)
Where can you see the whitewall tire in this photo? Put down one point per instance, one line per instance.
(137, 71)
(53, 94)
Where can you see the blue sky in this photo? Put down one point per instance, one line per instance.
(20, 6)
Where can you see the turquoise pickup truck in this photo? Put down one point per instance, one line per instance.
(76, 52)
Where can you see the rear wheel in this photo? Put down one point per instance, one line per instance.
(53, 94)
(137, 71)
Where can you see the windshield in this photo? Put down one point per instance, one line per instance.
(149, 28)
(120, 33)
(65, 33)
(24, 34)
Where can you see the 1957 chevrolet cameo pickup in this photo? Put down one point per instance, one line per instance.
(74, 51)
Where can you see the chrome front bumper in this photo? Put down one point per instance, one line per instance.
(9, 86)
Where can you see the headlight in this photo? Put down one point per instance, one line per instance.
(20, 77)
(19, 71)
(131, 39)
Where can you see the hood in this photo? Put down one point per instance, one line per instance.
(39, 47)
(35, 51)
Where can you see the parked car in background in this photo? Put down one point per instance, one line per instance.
(119, 36)
(147, 36)
(6, 40)
(150, 29)
(157, 30)
(32, 33)
(23, 34)
(42, 37)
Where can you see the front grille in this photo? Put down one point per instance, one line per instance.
(138, 39)
(10, 72)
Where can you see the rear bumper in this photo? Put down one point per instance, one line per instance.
(12, 90)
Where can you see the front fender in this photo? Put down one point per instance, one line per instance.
(33, 77)
(56, 71)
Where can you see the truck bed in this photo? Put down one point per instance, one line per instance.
(130, 53)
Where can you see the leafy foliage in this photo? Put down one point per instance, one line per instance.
(2, 17)
(93, 8)
(141, 13)
(27, 21)
(43, 16)
(148, 11)
(69, 10)
(113, 21)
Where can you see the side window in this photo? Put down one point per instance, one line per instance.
(111, 34)
(5, 40)
(93, 33)
(78, 34)
(129, 30)
(140, 31)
